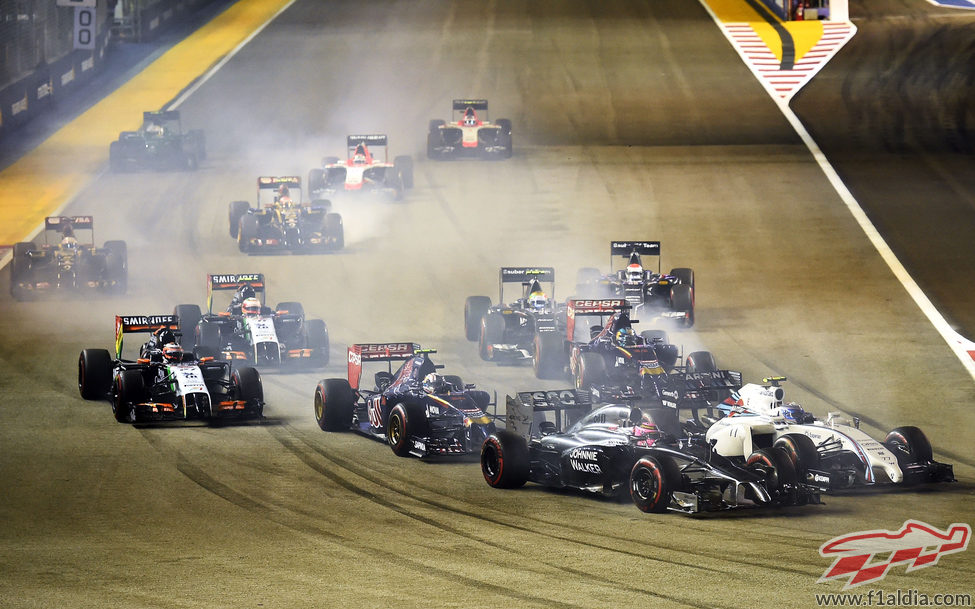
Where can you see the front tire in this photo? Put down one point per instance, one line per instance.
(910, 445)
(682, 300)
(334, 404)
(492, 333)
(187, 317)
(237, 210)
(504, 460)
(592, 370)
(653, 481)
(129, 390)
(780, 474)
(475, 308)
(399, 428)
(245, 232)
(94, 373)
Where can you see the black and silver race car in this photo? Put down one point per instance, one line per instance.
(469, 133)
(667, 296)
(282, 223)
(529, 329)
(68, 261)
(619, 447)
(249, 331)
(160, 143)
(166, 383)
(416, 410)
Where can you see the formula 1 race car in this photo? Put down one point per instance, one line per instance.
(367, 169)
(282, 223)
(528, 329)
(833, 453)
(160, 143)
(165, 383)
(671, 296)
(469, 133)
(249, 331)
(68, 261)
(618, 446)
(416, 410)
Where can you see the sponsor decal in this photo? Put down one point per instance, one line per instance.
(44, 90)
(148, 320)
(609, 303)
(19, 106)
(588, 454)
(421, 446)
(583, 459)
(235, 278)
(866, 556)
(355, 358)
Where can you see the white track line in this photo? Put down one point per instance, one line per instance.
(963, 348)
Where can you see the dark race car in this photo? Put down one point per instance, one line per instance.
(68, 261)
(249, 331)
(366, 170)
(166, 383)
(160, 143)
(282, 223)
(416, 410)
(529, 329)
(667, 296)
(469, 133)
(552, 438)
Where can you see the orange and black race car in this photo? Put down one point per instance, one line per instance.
(165, 382)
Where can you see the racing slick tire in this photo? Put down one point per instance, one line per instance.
(592, 370)
(334, 404)
(454, 381)
(682, 300)
(655, 335)
(492, 333)
(187, 318)
(19, 267)
(117, 265)
(653, 481)
(291, 307)
(505, 125)
(245, 232)
(475, 308)
(433, 140)
(403, 165)
(316, 180)
(801, 450)
(701, 361)
(684, 275)
(208, 335)
(549, 359)
(94, 373)
(504, 460)
(404, 420)
(909, 444)
(316, 337)
(330, 160)
(779, 472)
(246, 385)
(334, 231)
(236, 211)
(129, 390)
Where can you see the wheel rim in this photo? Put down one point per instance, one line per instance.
(645, 484)
(81, 375)
(319, 405)
(395, 433)
(492, 462)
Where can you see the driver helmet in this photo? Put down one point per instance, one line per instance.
(284, 195)
(435, 384)
(69, 243)
(164, 336)
(537, 301)
(243, 293)
(792, 412)
(470, 117)
(625, 337)
(172, 352)
(154, 129)
(634, 273)
(359, 157)
(250, 307)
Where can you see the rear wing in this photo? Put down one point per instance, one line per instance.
(232, 281)
(586, 307)
(525, 275)
(165, 115)
(66, 225)
(376, 139)
(127, 324)
(376, 352)
(567, 405)
(464, 104)
(626, 248)
(274, 182)
(695, 391)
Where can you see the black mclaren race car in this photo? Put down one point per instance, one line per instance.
(619, 447)
(469, 133)
(416, 410)
(667, 296)
(166, 383)
(249, 331)
(282, 223)
(160, 143)
(366, 170)
(68, 261)
(529, 329)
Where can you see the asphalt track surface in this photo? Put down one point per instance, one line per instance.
(632, 120)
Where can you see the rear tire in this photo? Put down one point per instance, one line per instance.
(291, 307)
(701, 361)
(682, 300)
(504, 460)
(685, 275)
(492, 333)
(187, 318)
(207, 335)
(237, 210)
(335, 231)
(475, 308)
(316, 337)
(653, 481)
(779, 472)
(94, 373)
(592, 370)
(801, 450)
(404, 167)
(316, 180)
(117, 265)
(334, 404)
